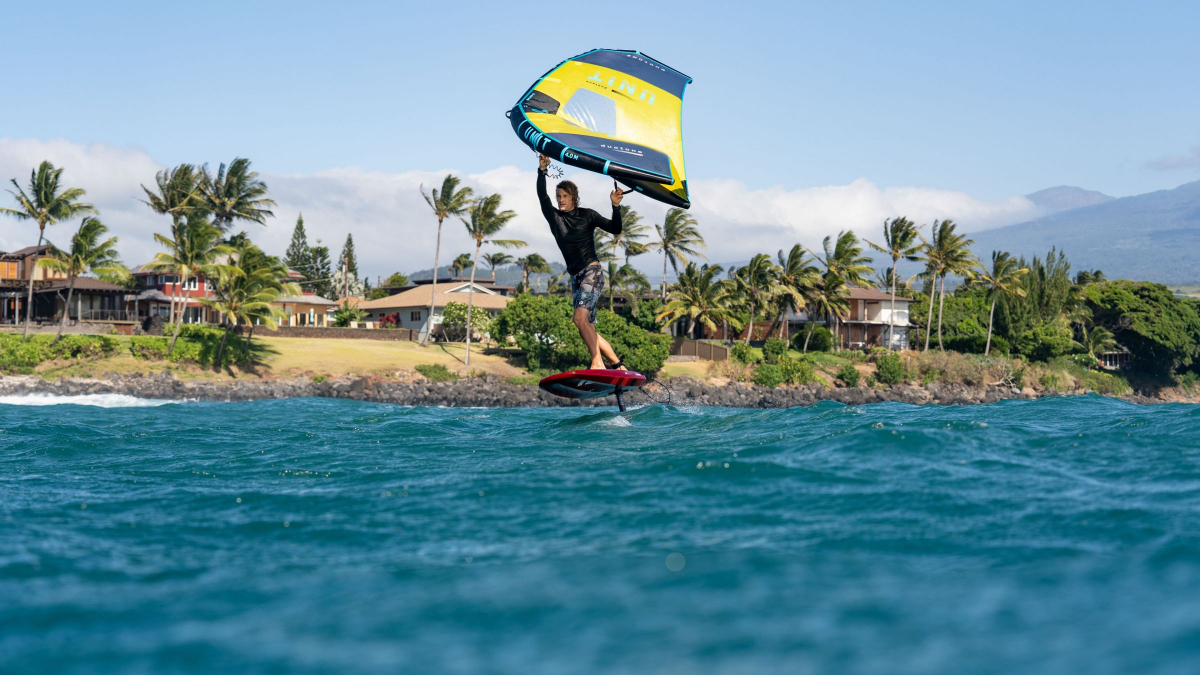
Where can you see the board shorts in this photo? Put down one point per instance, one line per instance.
(586, 287)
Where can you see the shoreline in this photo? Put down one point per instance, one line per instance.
(491, 392)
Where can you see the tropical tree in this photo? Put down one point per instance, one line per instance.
(797, 279)
(843, 257)
(947, 253)
(88, 253)
(235, 193)
(485, 222)
(495, 260)
(450, 200)
(756, 285)
(829, 298)
(900, 242)
(678, 237)
(194, 249)
(245, 290)
(699, 296)
(1099, 340)
(458, 265)
(46, 203)
(1003, 279)
(533, 263)
(178, 195)
(629, 282)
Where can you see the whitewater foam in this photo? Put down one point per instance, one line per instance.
(95, 400)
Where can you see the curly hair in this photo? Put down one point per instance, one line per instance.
(571, 189)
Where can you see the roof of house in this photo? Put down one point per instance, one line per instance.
(152, 294)
(352, 302)
(306, 300)
(857, 293)
(421, 295)
(82, 284)
(27, 251)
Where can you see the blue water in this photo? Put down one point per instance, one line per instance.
(1052, 536)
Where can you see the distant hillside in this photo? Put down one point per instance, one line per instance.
(1065, 198)
(509, 275)
(1150, 237)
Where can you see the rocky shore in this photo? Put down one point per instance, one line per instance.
(490, 391)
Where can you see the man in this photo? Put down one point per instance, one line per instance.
(573, 229)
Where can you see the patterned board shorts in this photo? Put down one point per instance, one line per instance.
(586, 288)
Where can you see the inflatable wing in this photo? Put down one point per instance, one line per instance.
(614, 112)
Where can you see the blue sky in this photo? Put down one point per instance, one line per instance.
(991, 101)
(804, 118)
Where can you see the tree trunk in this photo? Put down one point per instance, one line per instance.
(929, 321)
(664, 281)
(437, 250)
(471, 300)
(941, 306)
(988, 348)
(807, 338)
(66, 311)
(221, 349)
(249, 334)
(691, 327)
(29, 296)
(179, 322)
(525, 278)
(892, 313)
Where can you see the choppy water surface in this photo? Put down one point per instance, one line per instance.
(1060, 535)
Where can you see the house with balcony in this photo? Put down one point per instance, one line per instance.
(157, 292)
(92, 299)
(866, 323)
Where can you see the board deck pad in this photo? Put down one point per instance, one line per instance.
(592, 383)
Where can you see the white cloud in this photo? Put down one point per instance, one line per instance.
(1188, 160)
(394, 229)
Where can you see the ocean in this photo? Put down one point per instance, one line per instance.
(1060, 535)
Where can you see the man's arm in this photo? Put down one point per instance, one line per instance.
(543, 198)
(611, 226)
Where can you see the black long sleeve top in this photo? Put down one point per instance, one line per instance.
(573, 230)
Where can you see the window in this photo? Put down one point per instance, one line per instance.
(415, 316)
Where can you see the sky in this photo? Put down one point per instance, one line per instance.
(802, 120)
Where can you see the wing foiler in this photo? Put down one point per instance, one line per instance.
(615, 112)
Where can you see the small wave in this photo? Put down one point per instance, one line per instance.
(96, 400)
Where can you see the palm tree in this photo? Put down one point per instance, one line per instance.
(900, 242)
(533, 263)
(449, 201)
(88, 253)
(485, 222)
(756, 284)
(235, 194)
(677, 239)
(830, 298)
(632, 234)
(177, 194)
(46, 203)
(247, 286)
(1099, 340)
(797, 279)
(193, 249)
(628, 281)
(699, 296)
(844, 260)
(1002, 280)
(495, 260)
(459, 264)
(947, 254)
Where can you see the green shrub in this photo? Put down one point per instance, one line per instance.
(524, 380)
(930, 375)
(148, 348)
(797, 371)
(870, 381)
(876, 353)
(974, 344)
(848, 375)
(1104, 383)
(821, 340)
(768, 375)
(436, 372)
(743, 353)
(200, 331)
(1050, 381)
(1018, 378)
(1045, 341)
(83, 347)
(20, 355)
(1189, 380)
(318, 379)
(542, 327)
(774, 348)
(889, 368)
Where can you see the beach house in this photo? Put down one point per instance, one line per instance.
(93, 299)
(412, 302)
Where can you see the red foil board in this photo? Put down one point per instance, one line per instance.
(591, 383)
